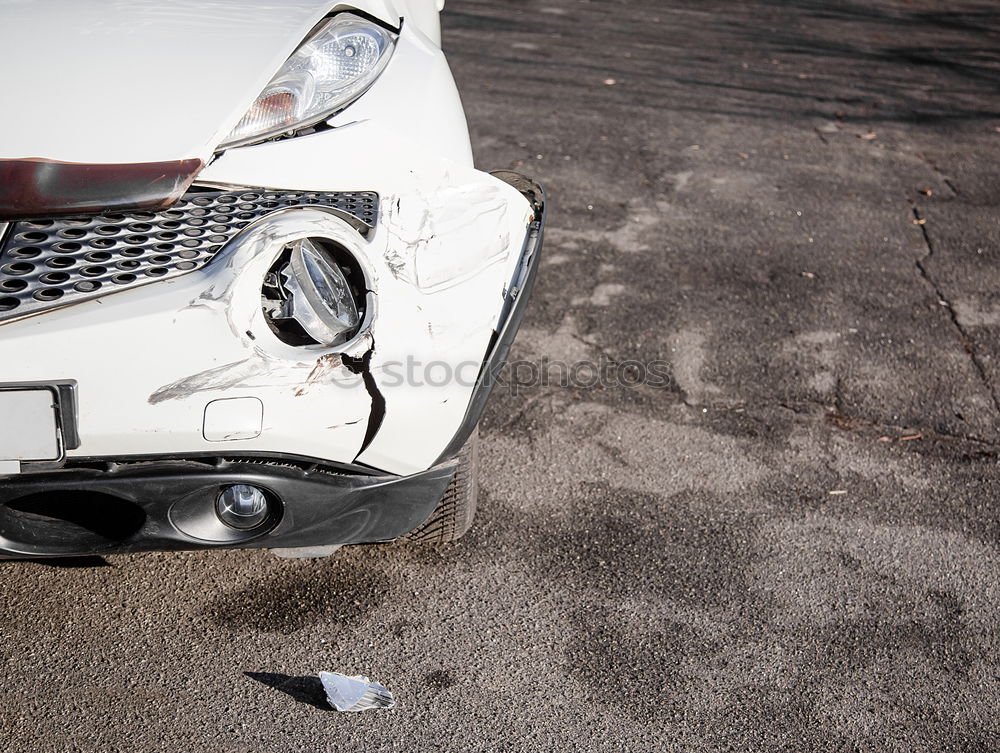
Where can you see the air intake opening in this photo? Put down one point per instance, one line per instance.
(69, 522)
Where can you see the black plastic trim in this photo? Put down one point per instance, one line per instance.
(316, 508)
(305, 462)
(69, 419)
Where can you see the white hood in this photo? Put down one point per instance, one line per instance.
(117, 81)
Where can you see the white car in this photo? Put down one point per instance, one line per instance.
(253, 292)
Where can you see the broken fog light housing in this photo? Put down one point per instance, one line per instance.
(311, 294)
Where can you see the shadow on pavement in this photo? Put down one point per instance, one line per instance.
(306, 689)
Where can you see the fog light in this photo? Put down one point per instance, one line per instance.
(242, 506)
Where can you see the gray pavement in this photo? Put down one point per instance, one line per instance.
(791, 546)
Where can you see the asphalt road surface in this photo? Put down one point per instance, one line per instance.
(791, 544)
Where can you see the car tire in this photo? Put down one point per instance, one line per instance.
(453, 516)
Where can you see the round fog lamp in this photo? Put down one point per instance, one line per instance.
(242, 506)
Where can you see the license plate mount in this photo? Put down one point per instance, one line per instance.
(37, 422)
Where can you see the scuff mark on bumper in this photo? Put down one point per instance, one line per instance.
(220, 378)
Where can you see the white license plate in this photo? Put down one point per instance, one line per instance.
(29, 428)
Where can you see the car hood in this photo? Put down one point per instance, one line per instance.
(121, 81)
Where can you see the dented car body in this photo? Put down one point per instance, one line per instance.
(263, 308)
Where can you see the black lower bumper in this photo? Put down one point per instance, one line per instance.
(171, 505)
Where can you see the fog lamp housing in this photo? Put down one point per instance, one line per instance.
(243, 507)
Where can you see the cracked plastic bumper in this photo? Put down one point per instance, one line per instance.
(152, 364)
(149, 500)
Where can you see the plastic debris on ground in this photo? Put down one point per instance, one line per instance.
(356, 693)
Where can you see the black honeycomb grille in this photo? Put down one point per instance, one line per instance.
(48, 263)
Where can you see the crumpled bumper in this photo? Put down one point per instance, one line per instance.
(151, 362)
(144, 476)
(169, 377)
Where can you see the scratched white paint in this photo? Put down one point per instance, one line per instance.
(148, 360)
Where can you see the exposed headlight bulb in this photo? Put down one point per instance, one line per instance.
(313, 292)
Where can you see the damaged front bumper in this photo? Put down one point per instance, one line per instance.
(163, 505)
(179, 388)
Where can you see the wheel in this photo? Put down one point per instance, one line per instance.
(453, 516)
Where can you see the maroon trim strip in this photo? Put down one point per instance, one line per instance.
(33, 188)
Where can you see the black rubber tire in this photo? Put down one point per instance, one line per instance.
(453, 516)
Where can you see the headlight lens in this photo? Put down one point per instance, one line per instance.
(315, 294)
(332, 68)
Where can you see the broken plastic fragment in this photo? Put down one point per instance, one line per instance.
(356, 693)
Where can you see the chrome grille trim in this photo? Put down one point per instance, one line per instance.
(50, 263)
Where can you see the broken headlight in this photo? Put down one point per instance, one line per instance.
(332, 68)
(311, 297)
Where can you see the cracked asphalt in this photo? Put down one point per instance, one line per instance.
(793, 545)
